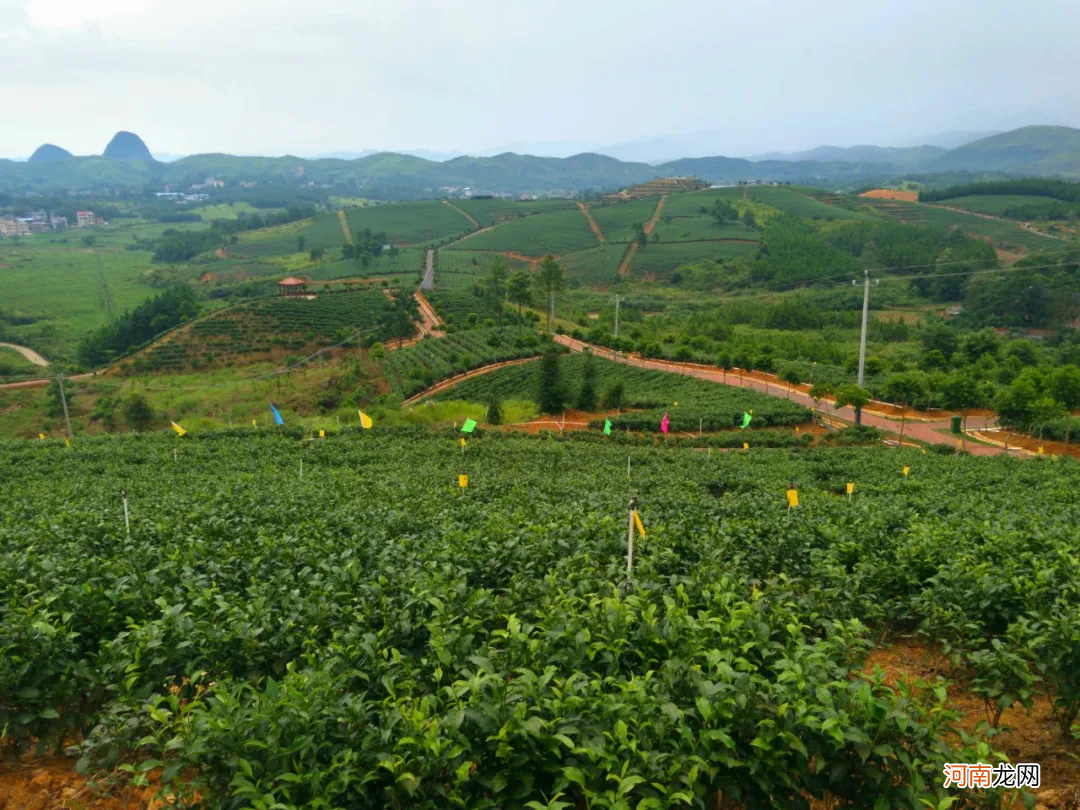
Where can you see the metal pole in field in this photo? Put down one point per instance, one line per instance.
(862, 337)
(63, 401)
(618, 298)
(127, 519)
(630, 537)
(301, 469)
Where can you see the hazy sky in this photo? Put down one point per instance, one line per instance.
(279, 76)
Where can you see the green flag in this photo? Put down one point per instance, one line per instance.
(745, 420)
(607, 427)
(468, 426)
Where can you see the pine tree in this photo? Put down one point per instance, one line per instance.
(586, 398)
(494, 411)
(549, 396)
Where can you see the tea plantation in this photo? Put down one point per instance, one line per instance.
(371, 635)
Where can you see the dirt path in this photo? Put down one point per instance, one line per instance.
(452, 381)
(1027, 226)
(628, 258)
(465, 214)
(469, 235)
(29, 354)
(924, 431)
(431, 323)
(428, 282)
(594, 226)
(345, 226)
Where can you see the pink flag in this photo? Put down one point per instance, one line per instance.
(664, 423)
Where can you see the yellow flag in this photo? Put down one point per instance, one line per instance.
(906, 471)
(322, 433)
(41, 436)
(365, 420)
(745, 446)
(1040, 449)
(463, 481)
(179, 430)
(850, 487)
(792, 498)
(796, 428)
(462, 442)
(638, 523)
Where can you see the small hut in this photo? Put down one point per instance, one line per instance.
(292, 286)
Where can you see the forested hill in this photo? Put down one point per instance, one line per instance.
(1044, 151)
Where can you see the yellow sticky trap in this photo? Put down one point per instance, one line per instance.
(796, 428)
(745, 446)
(792, 498)
(1040, 448)
(462, 481)
(906, 471)
(67, 442)
(41, 436)
(253, 423)
(462, 443)
(850, 487)
(639, 525)
(322, 433)
(676, 404)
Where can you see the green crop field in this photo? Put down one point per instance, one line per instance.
(616, 220)
(557, 232)
(597, 265)
(67, 288)
(370, 635)
(690, 205)
(416, 223)
(688, 228)
(421, 365)
(492, 212)
(263, 329)
(996, 204)
(231, 210)
(1005, 235)
(792, 202)
(457, 302)
(660, 258)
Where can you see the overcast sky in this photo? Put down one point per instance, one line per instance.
(285, 76)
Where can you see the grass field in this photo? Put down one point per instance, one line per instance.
(661, 258)
(224, 210)
(690, 205)
(13, 364)
(616, 220)
(557, 232)
(415, 223)
(597, 265)
(995, 204)
(1004, 235)
(688, 228)
(492, 212)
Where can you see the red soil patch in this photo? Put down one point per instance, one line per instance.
(1025, 737)
(51, 783)
(891, 194)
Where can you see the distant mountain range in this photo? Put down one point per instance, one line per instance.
(128, 164)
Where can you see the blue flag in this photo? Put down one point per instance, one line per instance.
(277, 416)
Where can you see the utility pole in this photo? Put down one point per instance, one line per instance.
(618, 298)
(63, 401)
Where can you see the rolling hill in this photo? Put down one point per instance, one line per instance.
(1038, 150)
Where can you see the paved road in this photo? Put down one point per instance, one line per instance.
(923, 431)
(428, 282)
(29, 354)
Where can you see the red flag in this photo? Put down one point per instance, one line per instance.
(664, 423)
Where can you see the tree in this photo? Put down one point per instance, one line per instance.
(300, 242)
(54, 405)
(903, 389)
(1013, 404)
(855, 397)
(586, 398)
(749, 220)
(496, 282)
(819, 391)
(549, 396)
(549, 277)
(1065, 386)
(495, 409)
(722, 212)
(960, 391)
(518, 291)
(614, 395)
(1043, 410)
(138, 412)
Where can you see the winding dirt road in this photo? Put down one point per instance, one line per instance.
(29, 354)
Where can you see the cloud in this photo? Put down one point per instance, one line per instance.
(278, 76)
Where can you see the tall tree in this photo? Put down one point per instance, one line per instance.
(519, 291)
(855, 397)
(549, 395)
(549, 277)
(586, 398)
(903, 389)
